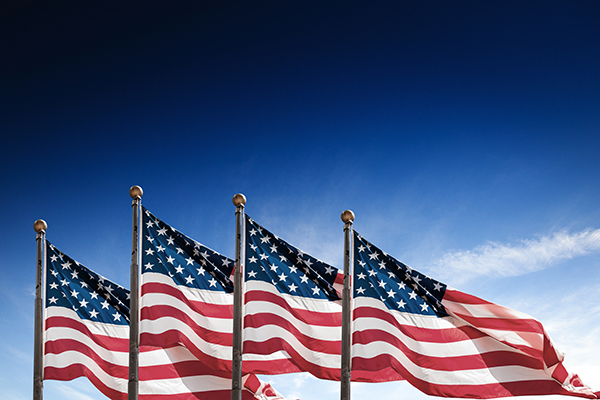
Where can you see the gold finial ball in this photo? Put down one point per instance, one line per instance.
(40, 225)
(347, 216)
(136, 192)
(239, 199)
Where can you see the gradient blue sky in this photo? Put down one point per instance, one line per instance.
(465, 136)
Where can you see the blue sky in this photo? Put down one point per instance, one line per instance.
(464, 135)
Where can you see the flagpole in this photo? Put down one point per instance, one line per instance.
(239, 200)
(345, 379)
(40, 227)
(136, 193)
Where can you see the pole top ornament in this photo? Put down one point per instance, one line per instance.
(239, 200)
(40, 226)
(347, 216)
(136, 192)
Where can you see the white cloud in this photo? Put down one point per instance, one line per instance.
(497, 259)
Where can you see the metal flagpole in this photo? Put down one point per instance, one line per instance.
(347, 218)
(136, 193)
(239, 200)
(40, 227)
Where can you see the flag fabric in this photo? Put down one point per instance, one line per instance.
(292, 309)
(444, 342)
(87, 335)
(186, 308)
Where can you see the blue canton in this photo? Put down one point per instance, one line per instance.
(71, 285)
(290, 270)
(167, 251)
(398, 286)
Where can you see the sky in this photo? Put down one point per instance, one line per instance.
(464, 135)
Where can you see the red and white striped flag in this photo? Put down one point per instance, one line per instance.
(87, 335)
(292, 309)
(445, 342)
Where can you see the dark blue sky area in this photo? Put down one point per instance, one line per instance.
(217, 94)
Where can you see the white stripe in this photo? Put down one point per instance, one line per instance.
(96, 328)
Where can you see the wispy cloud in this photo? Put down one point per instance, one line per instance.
(528, 255)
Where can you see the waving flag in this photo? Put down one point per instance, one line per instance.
(292, 310)
(87, 335)
(186, 308)
(445, 342)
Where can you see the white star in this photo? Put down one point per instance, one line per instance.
(273, 249)
(213, 282)
(374, 256)
(64, 282)
(372, 272)
(401, 285)
(179, 269)
(437, 286)
(93, 314)
(83, 303)
(149, 265)
(424, 307)
(190, 261)
(53, 285)
(304, 279)
(263, 256)
(292, 287)
(401, 304)
(160, 248)
(273, 267)
(162, 231)
(54, 273)
(53, 300)
(74, 293)
(265, 239)
(149, 238)
(381, 284)
(225, 262)
(178, 250)
(109, 288)
(170, 241)
(361, 248)
(315, 290)
(417, 279)
(149, 252)
(53, 258)
(362, 263)
(360, 290)
(252, 274)
(200, 271)
(94, 295)
(149, 224)
(391, 293)
(84, 285)
(412, 295)
(117, 316)
(105, 304)
(189, 280)
(282, 277)
(253, 247)
(293, 269)
(329, 270)
(66, 265)
(361, 276)
(252, 232)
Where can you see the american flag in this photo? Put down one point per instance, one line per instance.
(87, 335)
(409, 326)
(186, 307)
(292, 309)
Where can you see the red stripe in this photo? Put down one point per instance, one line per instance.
(503, 324)
(310, 317)
(449, 363)
(78, 370)
(275, 344)
(321, 345)
(116, 344)
(159, 311)
(445, 335)
(484, 391)
(62, 345)
(212, 310)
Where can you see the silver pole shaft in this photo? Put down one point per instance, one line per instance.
(347, 313)
(236, 368)
(134, 312)
(38, 344)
